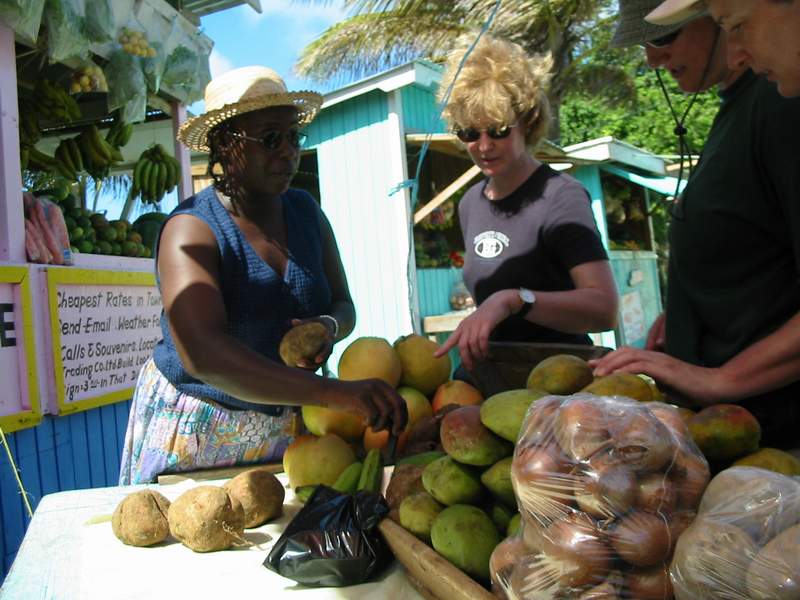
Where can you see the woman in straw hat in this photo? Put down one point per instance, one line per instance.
(729, 333)
(763, 33)
(534, 261)
(238, 264)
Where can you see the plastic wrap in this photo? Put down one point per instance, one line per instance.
(333, 540)
(100, 25)
(66, 30)
(186, 69)
(46, 237)
(605, 485)
(24, 17)
(127, 90)
(88, 77)
(745, 542)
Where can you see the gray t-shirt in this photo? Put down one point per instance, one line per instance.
(531, 238)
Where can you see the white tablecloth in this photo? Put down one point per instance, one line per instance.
(65, 558)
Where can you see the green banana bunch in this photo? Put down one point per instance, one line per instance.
(119, 134)
(68, 159)
(155, 174)
(98, 155)
(39, 161)
(29, 130)
(55, 103)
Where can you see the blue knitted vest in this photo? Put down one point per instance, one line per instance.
(259, 303)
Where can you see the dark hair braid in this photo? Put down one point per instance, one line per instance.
(218, 141)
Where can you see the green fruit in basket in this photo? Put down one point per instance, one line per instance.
(451, 482)
(75, 212)
(466, 536)
(70, 223)
(504, 413)
(75, 234)
(497, 479)
(130, 249)
(84, 223)
(108, 234)
(417, 513)
(104, 247)
(116, 248)
(86, 246)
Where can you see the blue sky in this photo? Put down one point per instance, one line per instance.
(273, 38)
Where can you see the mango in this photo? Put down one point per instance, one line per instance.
(561, 374)
(497, 480)
(451, 482)
(621, 384)
(466, 439)
(466, 536)
(514, 525)
(725, 431)
(505, 412)
(455, 392)
(311, 460)
(420, 369)
(771, 459)
(500, 515)
(417, 513)
(320, 421)
(304, 341)
(370, 358)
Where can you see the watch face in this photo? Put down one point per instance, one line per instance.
(527, 295)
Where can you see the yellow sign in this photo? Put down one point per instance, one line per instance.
(104, 326)
(19, 401)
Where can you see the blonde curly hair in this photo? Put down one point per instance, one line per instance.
(499, 84)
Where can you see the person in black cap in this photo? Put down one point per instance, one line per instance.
(730, 331)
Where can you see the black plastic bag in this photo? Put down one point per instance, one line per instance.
(333, 541)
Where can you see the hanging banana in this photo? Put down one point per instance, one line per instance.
(155, 173)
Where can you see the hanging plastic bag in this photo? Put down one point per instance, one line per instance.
(66, 30)
(24, 17)
(47, 239)
(88, 77)
(100, 25)
(127, 90)
(333, 541)
(186, 70)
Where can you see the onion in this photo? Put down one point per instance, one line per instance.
(642, 442)
(542, 484)
(656, 493)
(652, 583)
(504, 557)
(606, 490)
(604, 591)
(670, 417)
(642, 539)
(581, 428)
(693, 479)
(540, 421)
(579, 548)
(678, 523)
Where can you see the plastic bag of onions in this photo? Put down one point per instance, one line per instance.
(745, 542)
(605, 485)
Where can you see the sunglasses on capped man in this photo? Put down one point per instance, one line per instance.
(472, 134)
(664, 40)
(273, 138)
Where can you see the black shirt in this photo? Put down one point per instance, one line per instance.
(531, 238)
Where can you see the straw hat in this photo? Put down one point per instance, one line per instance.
(241, 91)
(675, 11)
(632, 29)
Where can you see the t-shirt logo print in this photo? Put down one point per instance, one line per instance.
(490, 244)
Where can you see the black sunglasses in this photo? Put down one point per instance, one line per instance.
(273, 139)
(664, 40)
(471, 134)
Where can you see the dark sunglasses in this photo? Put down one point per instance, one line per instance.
(273, 139)
(664, 40)
(471, 134)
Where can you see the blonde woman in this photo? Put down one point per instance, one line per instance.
(534, 261)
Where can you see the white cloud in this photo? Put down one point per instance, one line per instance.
(218, 64)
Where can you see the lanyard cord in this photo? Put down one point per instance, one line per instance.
(684, 148)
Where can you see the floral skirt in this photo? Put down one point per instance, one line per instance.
(172, 432)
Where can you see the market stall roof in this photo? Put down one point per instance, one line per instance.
(609, 148)
(662, 185)
(200, 8)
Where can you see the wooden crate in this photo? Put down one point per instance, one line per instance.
(429, 572)
(509, 363)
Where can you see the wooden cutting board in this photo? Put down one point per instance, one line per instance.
(211, 474)
(429, 572)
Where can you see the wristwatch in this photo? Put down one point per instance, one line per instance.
(528, 300)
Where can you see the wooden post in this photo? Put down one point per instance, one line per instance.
(451, 189)
(182, 153)
(12, 219)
